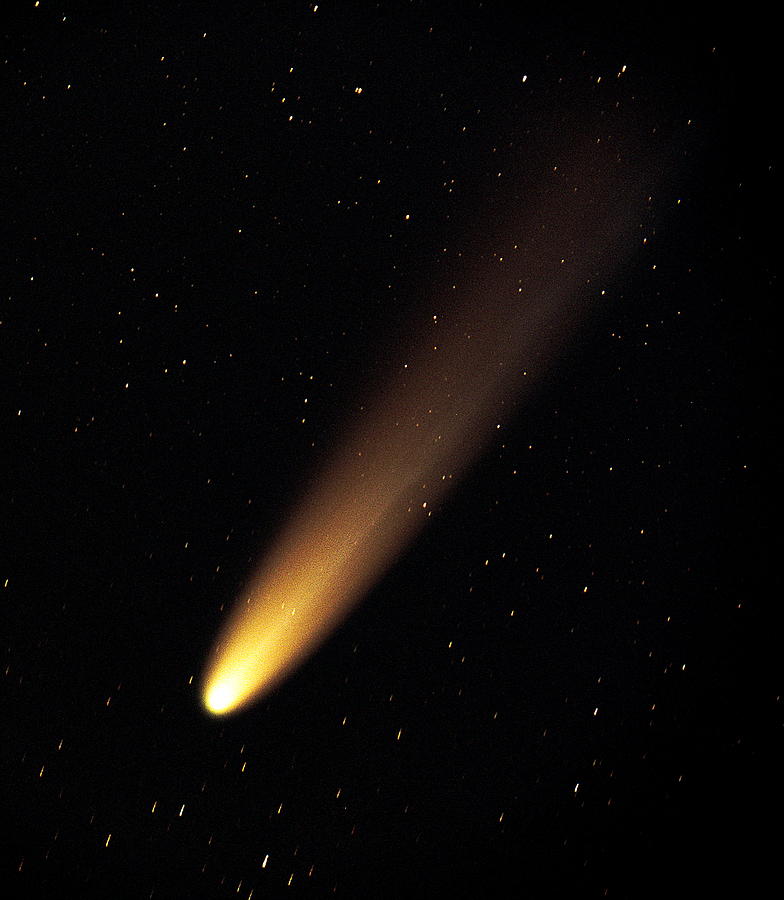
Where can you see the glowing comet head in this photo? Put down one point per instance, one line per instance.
(220, 697)
(266, 637)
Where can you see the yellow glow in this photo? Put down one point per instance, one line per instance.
(221, 696)
(503, 313)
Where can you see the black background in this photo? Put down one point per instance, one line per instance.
(166, 312)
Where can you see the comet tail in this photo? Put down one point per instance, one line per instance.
(522, 289)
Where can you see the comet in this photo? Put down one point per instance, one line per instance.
(516, 296)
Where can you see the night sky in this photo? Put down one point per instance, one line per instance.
(224, 224)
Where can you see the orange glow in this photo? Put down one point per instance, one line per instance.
(519, 299)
